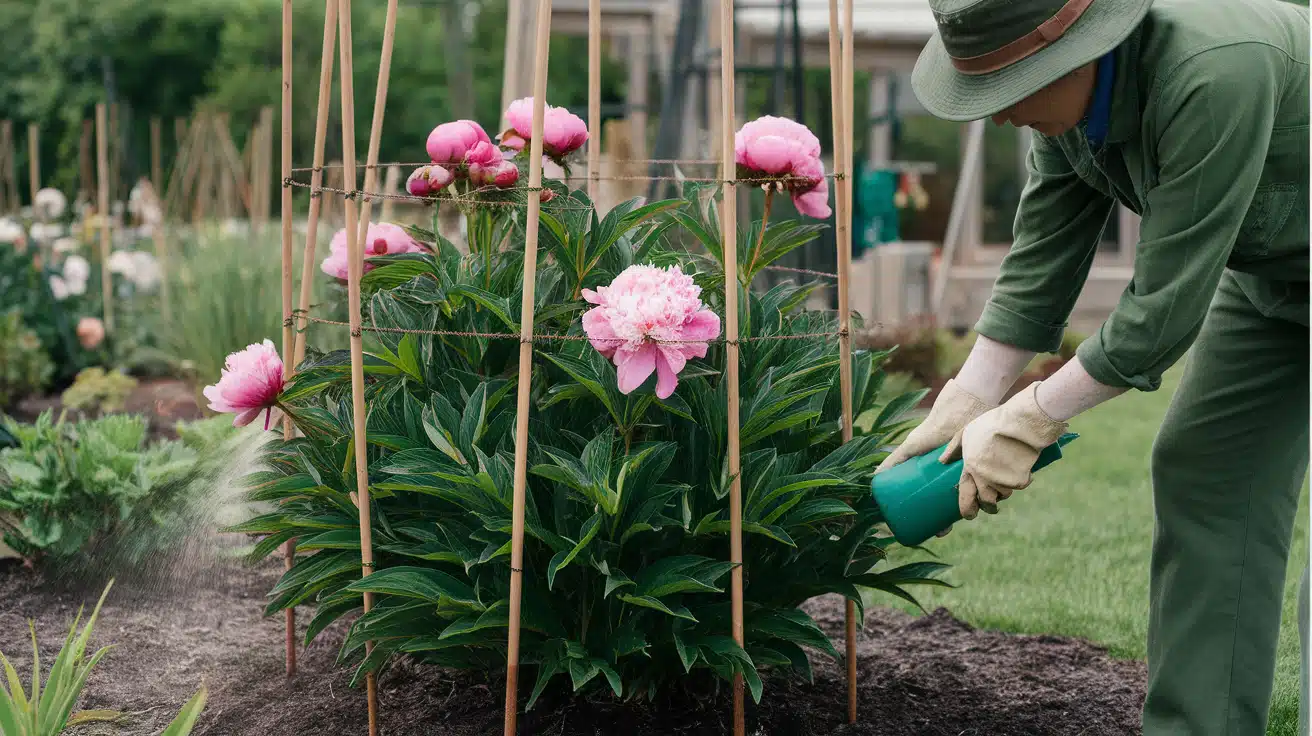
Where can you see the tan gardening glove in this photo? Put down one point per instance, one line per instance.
(1000, 449)
(952, 411)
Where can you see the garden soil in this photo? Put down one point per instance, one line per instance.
(919, 676)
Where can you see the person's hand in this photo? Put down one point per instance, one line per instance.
(999, 451)
(953, 410)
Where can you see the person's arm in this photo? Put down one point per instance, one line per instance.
(1211, 126)
(1058, 226)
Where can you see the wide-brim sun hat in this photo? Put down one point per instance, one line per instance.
(987, 55)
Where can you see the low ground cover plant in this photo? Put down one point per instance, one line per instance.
(628, 486)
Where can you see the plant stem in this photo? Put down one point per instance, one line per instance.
(765, 221)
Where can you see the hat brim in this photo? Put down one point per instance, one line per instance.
(947, 93)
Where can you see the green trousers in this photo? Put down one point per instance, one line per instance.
(1228, 467)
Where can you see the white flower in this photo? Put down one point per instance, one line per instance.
(67, 245)
(120, 262)
(76, 271)
(59, 288)
(145, 270)
(151, 213)
(235, 228)
(50, 203)
(45, 232)
(116, 209)
(11, 231)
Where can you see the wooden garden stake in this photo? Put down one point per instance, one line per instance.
(391, 185)
(33, 159)
(729, 220)
(288, 341)
(840, 82)
(354, 267)
(376, 126)
(594, 99)
(115, 153)
(156, 155)
(161, 253)
(316, 175)
(102, 209)
(526, 364)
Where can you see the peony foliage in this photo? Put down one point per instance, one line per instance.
(627, 536)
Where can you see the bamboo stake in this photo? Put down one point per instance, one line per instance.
(156, 155)
(391, 186)
(11, 180)
(288, 340)
(729, 219)
(542, 46)
(840, 81)
(594, 99)
(33, 160)
(355, 266)
(102, 169)
(316, 176)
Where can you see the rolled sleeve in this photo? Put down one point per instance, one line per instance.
(1058, 225)
(1211, 127)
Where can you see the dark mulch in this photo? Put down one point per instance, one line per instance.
(926, 676)
(163, 401)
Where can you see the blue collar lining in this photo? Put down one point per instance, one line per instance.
(1100, 109)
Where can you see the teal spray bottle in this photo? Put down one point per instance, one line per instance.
(919, 497)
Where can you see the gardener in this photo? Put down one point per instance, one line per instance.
(1194, 114)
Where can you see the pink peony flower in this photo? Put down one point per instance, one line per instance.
(250, 383)
(381, 239)
(785, 150)
(428, 180)
(90, 332)
(450, 142)
(563, 132)
(649, 320)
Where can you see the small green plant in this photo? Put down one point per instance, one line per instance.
(25, 287)
(97, 391)
(25, 368)
(48, 711)
(70, 486)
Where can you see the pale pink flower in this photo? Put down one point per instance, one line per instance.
(788, 152)
(649, 320)
(90, 332)
(382, 238)
(450, 142)
(250, 383)
(429, 180)
(563, 132)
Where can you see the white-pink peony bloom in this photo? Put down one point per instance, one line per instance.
(426, 181)
(785, 150)
(563, 132)
(381, 239)
(450, 142)
(649, 320)
(250, 383)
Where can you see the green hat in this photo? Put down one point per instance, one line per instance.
(990, 54)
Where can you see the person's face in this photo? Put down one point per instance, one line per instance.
(1055, 109)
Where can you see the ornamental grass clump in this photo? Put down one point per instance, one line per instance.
(627, 518)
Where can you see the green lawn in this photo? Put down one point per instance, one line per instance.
(1069, 555)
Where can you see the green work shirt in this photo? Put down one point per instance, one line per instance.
(1208, 142)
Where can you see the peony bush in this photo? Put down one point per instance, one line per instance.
(627, 532)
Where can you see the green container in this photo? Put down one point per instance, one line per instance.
(919, 497)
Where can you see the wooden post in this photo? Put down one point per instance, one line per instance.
(355, 267)
(842, 76)
(161, 252)
(961, 201)
(33, 161)
(541, 48)
(288, 339)
(729, 220)
(260, 190)
(11, 179)
(156, 155)
(594, 99)
(316, 175)
(102, 169)
(391, 186)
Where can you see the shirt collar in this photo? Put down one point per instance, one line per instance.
(1098, 119)
(1125, 114)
